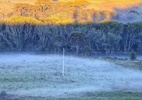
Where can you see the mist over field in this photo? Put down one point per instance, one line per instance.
(70, 49)
(41, 75)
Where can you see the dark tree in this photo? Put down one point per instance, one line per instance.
(133, 55)
(78, 40)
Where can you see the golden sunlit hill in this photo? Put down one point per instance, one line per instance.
(6, 7)
(68, 11)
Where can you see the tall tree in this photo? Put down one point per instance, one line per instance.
(78, 40)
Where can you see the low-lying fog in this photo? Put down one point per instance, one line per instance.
(40, 75)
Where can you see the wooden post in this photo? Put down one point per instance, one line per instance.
(63, 64)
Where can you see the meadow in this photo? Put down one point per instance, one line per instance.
(39, 77)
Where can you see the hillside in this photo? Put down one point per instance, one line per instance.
(131, 14)
(80, 10)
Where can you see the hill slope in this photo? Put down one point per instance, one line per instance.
(81, 10)
(131, 14)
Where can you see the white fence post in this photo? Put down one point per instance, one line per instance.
(63, 65)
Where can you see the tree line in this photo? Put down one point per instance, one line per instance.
(104, 37)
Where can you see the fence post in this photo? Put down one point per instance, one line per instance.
(63, 63)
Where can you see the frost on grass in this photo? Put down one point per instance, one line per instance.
(40, 75)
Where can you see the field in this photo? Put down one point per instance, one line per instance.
(39, 76)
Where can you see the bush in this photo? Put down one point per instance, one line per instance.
(133, 55)
(3, 93)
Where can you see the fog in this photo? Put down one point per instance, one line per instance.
(40, 75)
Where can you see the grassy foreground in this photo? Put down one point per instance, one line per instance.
(110, 96)
(118, 95)
(85, 96)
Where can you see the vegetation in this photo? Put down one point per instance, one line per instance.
(3, 95)
(83, 9)
(77, 38)
(67, 11)
(134, 64)
(88, 96)
(120, 95)
(133, 55)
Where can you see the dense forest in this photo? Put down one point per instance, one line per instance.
(77, 38)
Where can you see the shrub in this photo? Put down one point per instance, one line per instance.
(133, 55)
(3, 93)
